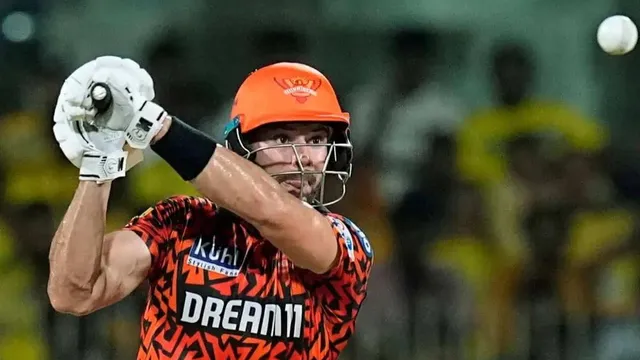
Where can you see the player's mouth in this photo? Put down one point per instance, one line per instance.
(294, 185)
(297, 186)
(294, 182)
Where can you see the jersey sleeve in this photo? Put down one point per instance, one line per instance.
(161, 225)
(342, 289)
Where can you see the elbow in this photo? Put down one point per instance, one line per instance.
(301, 233)
(319, 268)
(305, 245)
(63, 301)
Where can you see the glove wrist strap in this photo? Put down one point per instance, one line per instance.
(146, 124)
(100, 167)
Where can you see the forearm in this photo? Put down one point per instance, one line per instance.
(237, 185)
(76, 249)
(241, 187)
(245, 189)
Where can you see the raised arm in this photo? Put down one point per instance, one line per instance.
(89, 270)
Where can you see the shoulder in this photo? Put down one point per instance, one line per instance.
(341, 219)
(347, 230)
(191, 202)
(176, 208)
(184, 202)
(181, 216)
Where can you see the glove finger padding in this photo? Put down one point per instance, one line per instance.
(77, 136)
(145, 82)
(139, 79)
(68, 142)
(81, 77)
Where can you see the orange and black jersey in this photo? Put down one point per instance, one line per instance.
(220, 291)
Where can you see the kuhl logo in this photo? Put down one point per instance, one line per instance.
(208, 255)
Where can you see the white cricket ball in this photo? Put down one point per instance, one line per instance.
(617, 35)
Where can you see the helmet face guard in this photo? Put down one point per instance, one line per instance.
(337, 165)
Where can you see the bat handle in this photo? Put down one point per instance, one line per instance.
(101, 97)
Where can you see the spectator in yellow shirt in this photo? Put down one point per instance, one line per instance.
(482, 137)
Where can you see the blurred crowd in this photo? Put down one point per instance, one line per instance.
(506, 232)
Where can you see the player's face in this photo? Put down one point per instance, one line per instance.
(309, 154)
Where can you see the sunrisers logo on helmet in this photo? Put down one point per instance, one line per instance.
(299, 88)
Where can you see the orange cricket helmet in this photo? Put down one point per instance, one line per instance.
(291, 92)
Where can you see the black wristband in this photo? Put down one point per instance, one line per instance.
(185, 148)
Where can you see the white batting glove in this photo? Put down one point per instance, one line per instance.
(98, 154)
(95, 143)
(132, 110)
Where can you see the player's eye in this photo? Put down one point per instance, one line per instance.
(281, 139)
(319, 139)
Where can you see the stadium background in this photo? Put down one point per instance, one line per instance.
(505, 227)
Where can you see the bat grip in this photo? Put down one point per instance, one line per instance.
(101, 97)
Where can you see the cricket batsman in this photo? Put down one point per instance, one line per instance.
(256, 268)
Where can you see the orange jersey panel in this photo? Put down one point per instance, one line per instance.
(220, 291)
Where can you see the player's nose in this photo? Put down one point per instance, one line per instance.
(302, 157)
